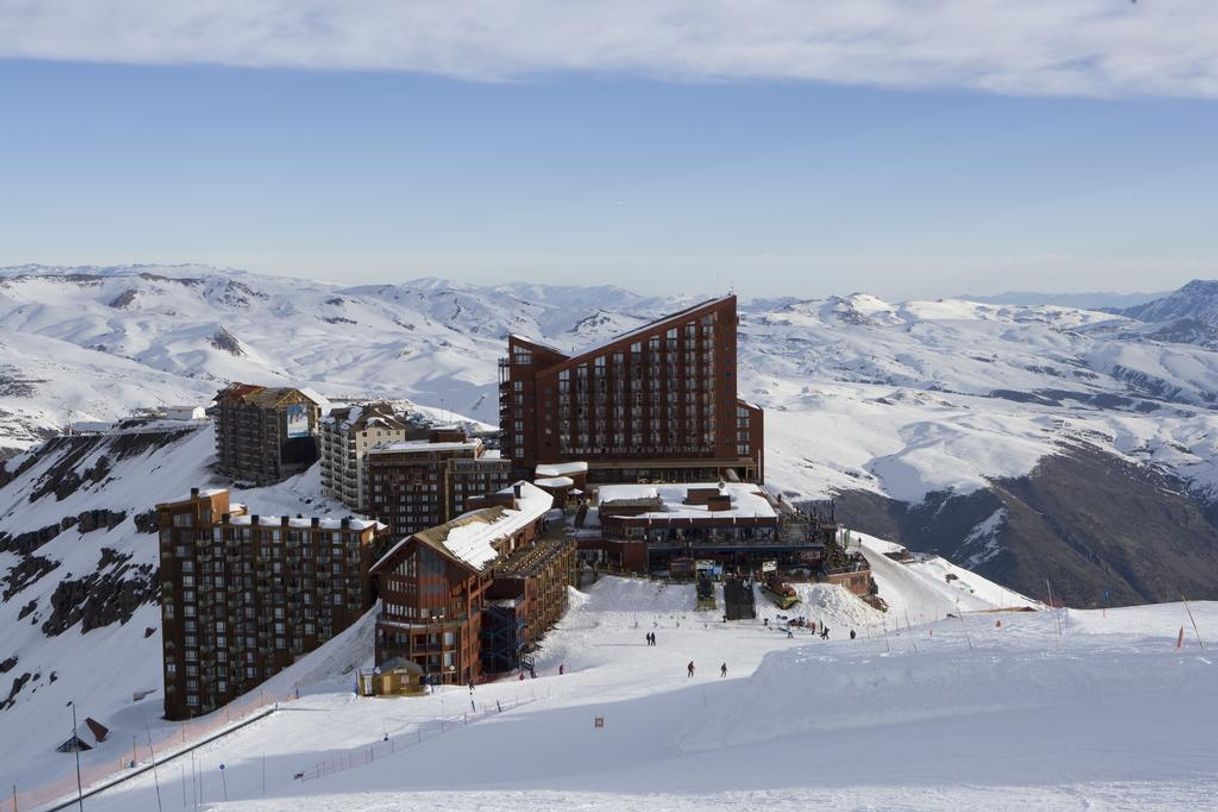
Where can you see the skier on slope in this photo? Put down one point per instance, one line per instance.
(690, 669)
(723, 671)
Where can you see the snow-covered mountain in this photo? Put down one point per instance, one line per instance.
(1024, 442)
(1017, 438)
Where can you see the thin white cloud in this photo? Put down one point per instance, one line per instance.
(1036, 47)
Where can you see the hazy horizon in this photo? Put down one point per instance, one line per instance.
(908, 149)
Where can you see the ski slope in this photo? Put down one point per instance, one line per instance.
(984, 709)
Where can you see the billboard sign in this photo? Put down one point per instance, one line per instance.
(769, 566)
(298, 420)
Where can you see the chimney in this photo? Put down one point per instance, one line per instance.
(254, 520)
(194, 493)
(517, 490)
(346, 522)
(224, 519)
(315, 522)
(283, 520)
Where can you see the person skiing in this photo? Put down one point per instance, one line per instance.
(562, 669)
(723, 671)
(824, 632)
(690, 669)
(852, 634)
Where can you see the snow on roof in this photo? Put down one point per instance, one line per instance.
(748, 500)
(471, 538)
(537, 343)
(562, 469)
(314, 396)
(554, 482)
(296, 521)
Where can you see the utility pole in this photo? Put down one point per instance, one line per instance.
(80, 794)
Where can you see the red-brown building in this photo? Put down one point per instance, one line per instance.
(656, 404)
(242, 596)
(436, 584)
(265, 434)
(417, 484)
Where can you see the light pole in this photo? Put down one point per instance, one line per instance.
(80, 795)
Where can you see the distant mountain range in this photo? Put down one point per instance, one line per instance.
(1083, 301)
(1019, 439)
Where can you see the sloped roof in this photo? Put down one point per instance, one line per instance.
(571, 359)
(470, 540)
(268, 395)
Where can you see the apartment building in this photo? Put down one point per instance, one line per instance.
(266, 434)
(657, 404)
(243, 596)
(417, 484)
(346, 436)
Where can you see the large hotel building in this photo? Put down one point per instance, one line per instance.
(656, 404)
(242, 596)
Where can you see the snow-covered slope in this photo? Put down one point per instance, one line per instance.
(958, 712)
(78, 581)
(978, 412)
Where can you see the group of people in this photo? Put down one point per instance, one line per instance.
(651, 638)
(689, 670)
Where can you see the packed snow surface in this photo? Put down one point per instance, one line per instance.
(981, 709)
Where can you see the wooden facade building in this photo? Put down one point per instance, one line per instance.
(436, 584)
(266, 434)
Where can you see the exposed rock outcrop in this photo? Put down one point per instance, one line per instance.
(111, 594)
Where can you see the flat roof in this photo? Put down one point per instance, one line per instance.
(552, 469)
(301, 522)
(748, 500)
(412, 446)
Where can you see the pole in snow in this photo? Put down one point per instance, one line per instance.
(80, 795)
(224, 782)
(155, 780)
(1056, 616)
(1194, 622)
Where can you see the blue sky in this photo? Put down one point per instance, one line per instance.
(774, 184)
